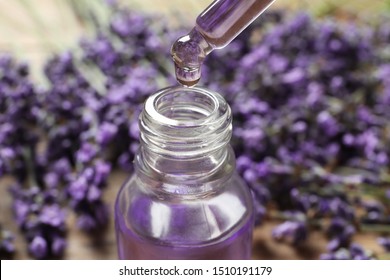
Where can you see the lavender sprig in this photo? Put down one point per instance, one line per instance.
(41, 220)
(353, 252)
(385, 243)
(86, 190)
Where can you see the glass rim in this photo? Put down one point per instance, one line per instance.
(151, 106)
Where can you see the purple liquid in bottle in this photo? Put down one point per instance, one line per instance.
(215, 28)
(235, 246)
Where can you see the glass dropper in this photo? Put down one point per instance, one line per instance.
(215, 28)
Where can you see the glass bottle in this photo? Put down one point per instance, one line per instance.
(215, 28)
(184, 200)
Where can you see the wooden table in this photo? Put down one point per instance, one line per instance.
(82, 246)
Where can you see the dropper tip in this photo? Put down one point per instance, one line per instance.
(188, 55)
(188, 77)
(188, 83)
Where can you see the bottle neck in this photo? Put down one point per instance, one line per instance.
(185, 134)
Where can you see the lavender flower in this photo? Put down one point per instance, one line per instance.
(7, 246)
(38, 247)
(40, 222)
(293, 231)
(385, 243)
(52, 215)
(85, 193)
(353, 252)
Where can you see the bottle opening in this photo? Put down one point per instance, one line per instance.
(185, 122)
(186, 105)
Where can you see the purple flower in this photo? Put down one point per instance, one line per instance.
(301, 201)
(86, 222)
(51, 180)
(348, 139)
(125, 161)
(106, 133)
(299, 127)
(94, 193)
(356, 250)
(251, 136)
(88, 173)
(353, 252)
(38, 247)
(134, 147)
(295, 76)
(315, 93)
(342, 254)
(52, 215)
(58, 246)
(278, 63)
(252, 58)
(102, 171)
(21, 210)
(341, 209)
(6, 241)
(243, 162)
(7, 153)
(78, 188)
(118, 95)
(62, 167)
(250, 176)
(328, 123)
(134, 130)
(86, 153)
(385, 243)
(341, 233)
(294, 231)
(333, 245)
